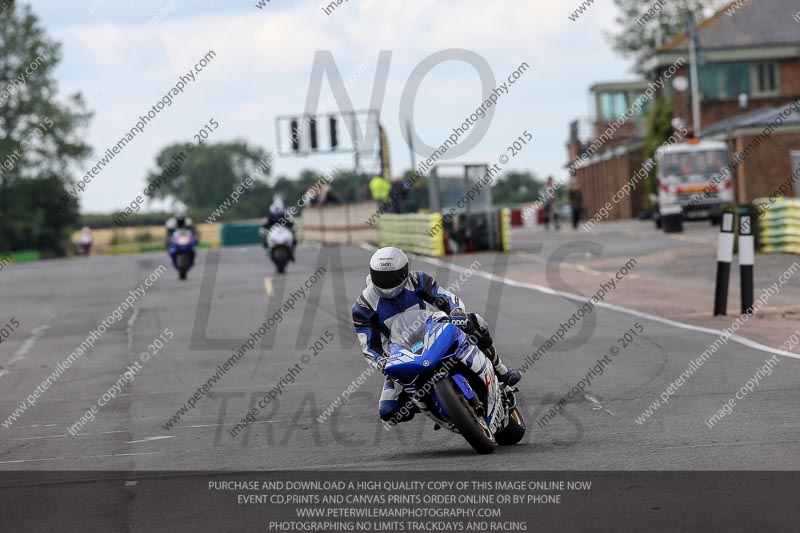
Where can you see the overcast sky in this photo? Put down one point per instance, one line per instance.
(123, 63)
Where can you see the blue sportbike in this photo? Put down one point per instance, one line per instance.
(448, 378)
(181, 250)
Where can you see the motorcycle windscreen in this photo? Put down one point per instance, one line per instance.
(408, 330)
(182, 238)
(280, 235)
(433, 344)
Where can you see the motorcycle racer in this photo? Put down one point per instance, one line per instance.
(390, 290)
(180, 221)
(279, 217)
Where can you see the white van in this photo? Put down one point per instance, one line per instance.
(694, 183)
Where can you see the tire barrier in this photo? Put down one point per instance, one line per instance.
(506, 221)
(516, 217)
(779, 225)
(412, 233)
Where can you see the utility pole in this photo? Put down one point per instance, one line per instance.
(692, 34)
(411, 147)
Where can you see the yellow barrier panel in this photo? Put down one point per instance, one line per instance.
(779, 225)
(412, 233)
(505, 225)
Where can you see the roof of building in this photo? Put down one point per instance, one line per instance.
(685, 147)
(619, 85)
(759, 117)
(604, 152)
(755, 23)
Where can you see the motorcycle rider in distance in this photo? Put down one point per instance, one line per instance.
(85, 241)
(180, 221)
(391, 290)
(277, 216)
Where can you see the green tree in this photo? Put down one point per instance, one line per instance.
(659, 130)
(33, 220)
(206, 176)
(351, 187)
(420, 190)
(640, 27)
(41, 137)
(515, 187)
(292, 190)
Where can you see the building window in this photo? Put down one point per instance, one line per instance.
(734, 80)
(708, 81)
(765, 78)
(613, 105)
(644, 103)
(726, 81)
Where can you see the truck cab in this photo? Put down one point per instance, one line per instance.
(694, 183)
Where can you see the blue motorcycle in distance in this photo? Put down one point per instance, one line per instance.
(448, 378)
(181, 250)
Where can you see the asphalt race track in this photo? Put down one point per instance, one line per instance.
(230, 294)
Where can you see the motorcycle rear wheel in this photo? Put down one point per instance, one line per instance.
(461, 414)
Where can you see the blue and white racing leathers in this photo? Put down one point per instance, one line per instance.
(373, 317)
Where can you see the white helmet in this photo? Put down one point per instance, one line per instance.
(388, 270)
(276, 208)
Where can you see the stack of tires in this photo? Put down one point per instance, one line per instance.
(779, 225)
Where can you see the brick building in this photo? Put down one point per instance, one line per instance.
(748, 79)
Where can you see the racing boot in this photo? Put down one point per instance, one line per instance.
(395, 405)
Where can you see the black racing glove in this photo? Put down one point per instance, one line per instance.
(458, 317)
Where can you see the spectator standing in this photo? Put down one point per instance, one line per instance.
(379, 188)
(575, 200)
(549, 205)
(397, 195)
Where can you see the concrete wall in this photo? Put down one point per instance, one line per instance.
(341, 223)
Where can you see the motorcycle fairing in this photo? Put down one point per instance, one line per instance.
(444, 341)
(439, 339)
(180, 244)
(479, 364)
(280, 236)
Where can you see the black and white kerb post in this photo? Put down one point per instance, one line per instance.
(724, 259)
(746, 261)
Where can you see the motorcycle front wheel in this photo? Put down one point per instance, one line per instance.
(182, 260)
(280, 256)
(514, 431)
(463, 416)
